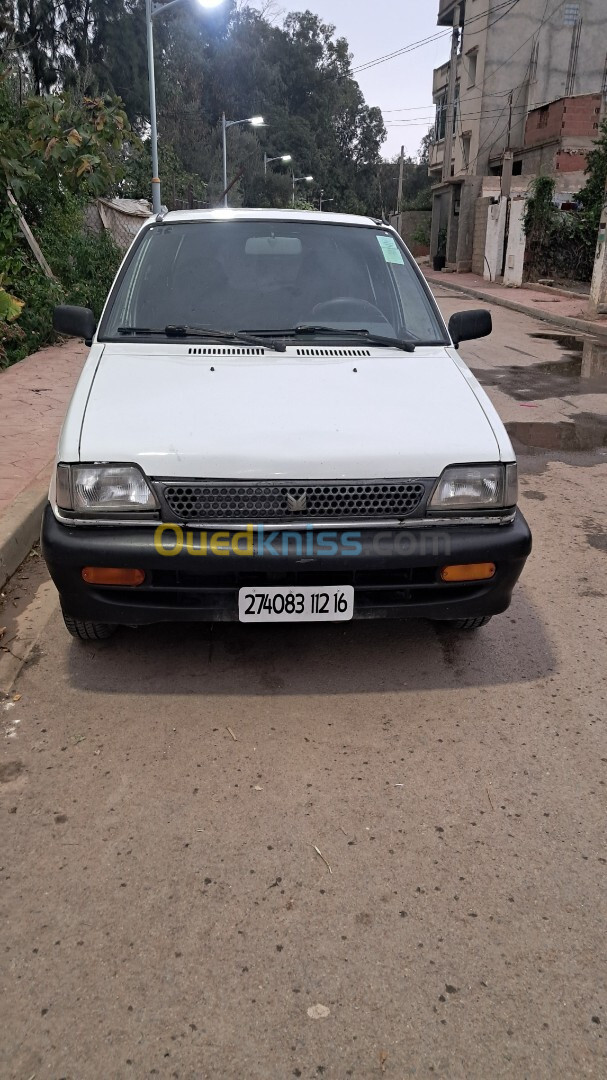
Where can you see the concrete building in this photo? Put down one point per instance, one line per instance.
(558, 139)
(509, 58)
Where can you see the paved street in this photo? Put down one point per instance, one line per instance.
(165, 910)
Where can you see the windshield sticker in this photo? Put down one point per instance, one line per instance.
(390, 249)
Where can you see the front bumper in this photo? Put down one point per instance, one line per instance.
(395, 572)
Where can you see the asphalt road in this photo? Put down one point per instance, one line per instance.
(165, 910)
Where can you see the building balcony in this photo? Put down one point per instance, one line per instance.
(436, 155)
(447, 10)
(440, 79)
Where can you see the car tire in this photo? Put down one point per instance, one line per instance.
(468, 624)
(85, 630)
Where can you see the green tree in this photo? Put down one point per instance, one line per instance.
(592, 195)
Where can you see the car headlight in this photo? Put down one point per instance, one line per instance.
(103, 488)
(476, 487)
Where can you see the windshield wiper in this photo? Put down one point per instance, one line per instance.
(407, 345)
(205, 332)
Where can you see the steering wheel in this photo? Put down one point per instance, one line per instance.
(349, 309)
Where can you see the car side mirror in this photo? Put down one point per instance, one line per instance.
(468, 325)
(75, 321)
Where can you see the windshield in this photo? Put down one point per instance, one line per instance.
(268, 276)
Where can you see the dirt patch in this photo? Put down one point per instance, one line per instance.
(10, 770)
(597, 540)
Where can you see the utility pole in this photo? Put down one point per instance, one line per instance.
(450, 117)
(399, 202)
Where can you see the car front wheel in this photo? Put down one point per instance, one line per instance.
(85, 630)
(467, 624)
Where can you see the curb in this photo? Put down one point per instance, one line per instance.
(20, 523)
(565, 321)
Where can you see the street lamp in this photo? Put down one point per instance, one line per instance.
(298, 180)
(254, 121)
(153, 8)
(321, 199)
(267, 160)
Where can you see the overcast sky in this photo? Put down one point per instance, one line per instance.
(374, 28)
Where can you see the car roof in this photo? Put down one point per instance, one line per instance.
(228, 214)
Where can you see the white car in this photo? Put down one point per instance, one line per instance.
(274, 424)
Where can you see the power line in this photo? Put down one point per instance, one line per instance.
(416, 120)
(468, 97)
(399, 52)
(489, 26)
(545, 19)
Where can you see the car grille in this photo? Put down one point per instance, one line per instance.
(223, 503)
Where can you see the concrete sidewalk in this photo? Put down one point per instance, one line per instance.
(568, 312)
(34, 395)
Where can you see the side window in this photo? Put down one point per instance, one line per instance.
(417, 314)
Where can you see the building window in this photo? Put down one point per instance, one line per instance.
(466, 139)
(472, 62)
(542, 119)
(455, 107)
(441, 117)
(571, 14)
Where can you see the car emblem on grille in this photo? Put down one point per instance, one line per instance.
(296, 503)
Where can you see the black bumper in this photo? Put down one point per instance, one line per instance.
(395, 574)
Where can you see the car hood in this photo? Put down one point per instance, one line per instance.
(326, 414)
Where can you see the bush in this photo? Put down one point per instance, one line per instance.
(83, 262)
(560, 243)
(36, 320)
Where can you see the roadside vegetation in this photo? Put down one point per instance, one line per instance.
(74, 124)
(562, 243)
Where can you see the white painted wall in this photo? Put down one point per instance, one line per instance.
(515, 255)
(494, 246)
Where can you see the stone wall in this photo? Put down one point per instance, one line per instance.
(411, 222)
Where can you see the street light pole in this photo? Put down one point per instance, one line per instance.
(267, 160)
(156, 200)
(296, 180)
(152, 7)
(255, 121)
(224, 130)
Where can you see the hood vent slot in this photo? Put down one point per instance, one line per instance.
(230, 350)
(333, 352)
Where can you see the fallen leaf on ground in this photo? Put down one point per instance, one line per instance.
(383, 1057)
(16, 697)
(318, 1012)
(319, 852)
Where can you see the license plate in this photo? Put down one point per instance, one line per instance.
(330, 603)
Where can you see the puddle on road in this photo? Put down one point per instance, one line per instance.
(567, 342)
(581, 369)
(585, 431)
(584, 372)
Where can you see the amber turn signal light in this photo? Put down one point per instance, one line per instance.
(481, 571)
(112, 575)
